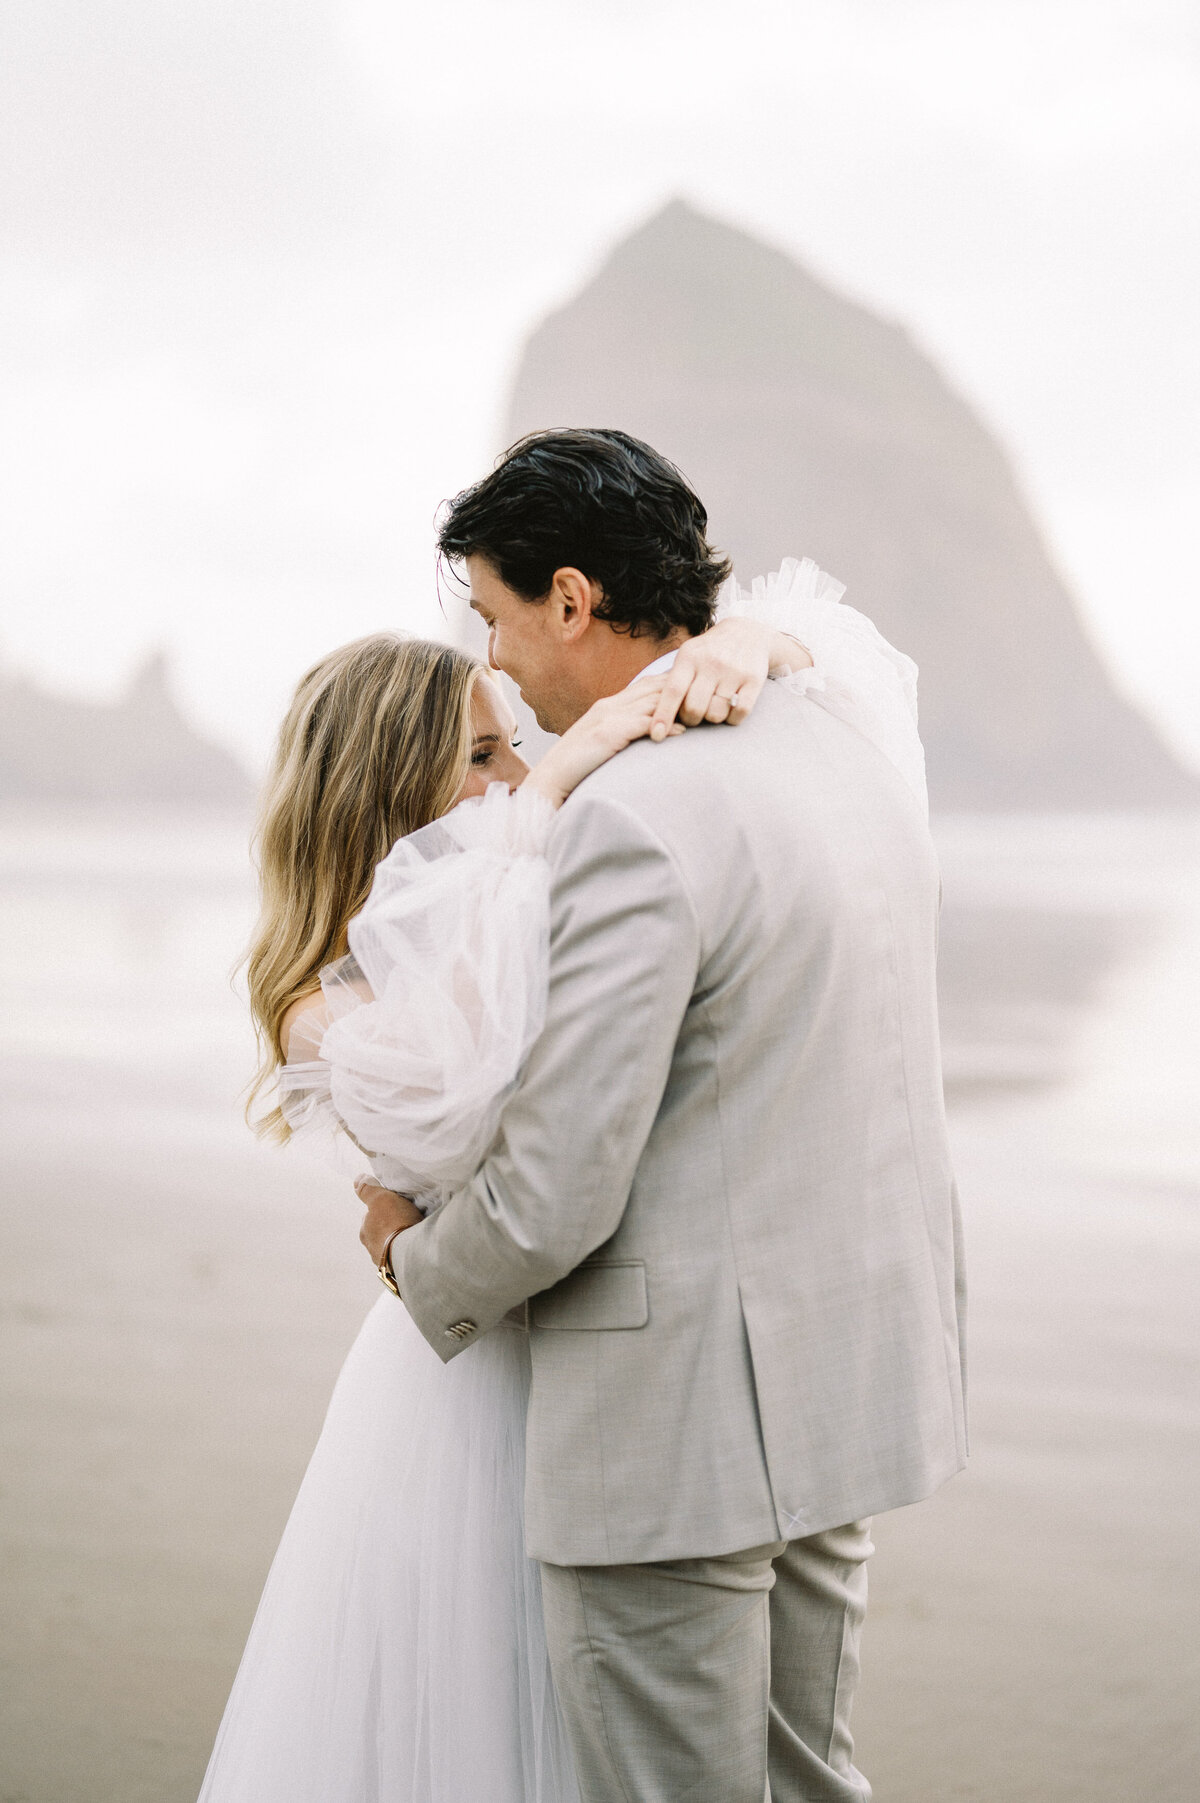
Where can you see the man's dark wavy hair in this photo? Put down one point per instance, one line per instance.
(601, 502)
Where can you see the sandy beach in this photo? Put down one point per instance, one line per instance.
(176, 1302)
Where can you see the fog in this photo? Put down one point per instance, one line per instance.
(268, 270)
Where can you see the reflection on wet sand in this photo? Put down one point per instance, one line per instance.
(1038, 917)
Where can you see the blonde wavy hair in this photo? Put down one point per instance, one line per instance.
(376, 743)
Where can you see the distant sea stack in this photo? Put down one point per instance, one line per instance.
(55, 748)
(810, 426)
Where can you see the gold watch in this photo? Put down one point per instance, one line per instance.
(386, 1275)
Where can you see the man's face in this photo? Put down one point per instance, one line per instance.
(525, 641)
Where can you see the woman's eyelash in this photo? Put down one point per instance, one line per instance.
(485, 755)
(516, 743)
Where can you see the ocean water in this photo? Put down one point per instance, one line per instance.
(1068, 959)
(119, 938)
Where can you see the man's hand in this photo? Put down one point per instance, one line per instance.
(386, 1213)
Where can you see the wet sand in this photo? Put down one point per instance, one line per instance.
(175, 1302)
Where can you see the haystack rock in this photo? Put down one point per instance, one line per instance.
(810, 426)
(139, 750)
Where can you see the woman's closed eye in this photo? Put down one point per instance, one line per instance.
(486, 749)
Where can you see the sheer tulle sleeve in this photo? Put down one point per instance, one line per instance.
(856, 674)
(425, 1027)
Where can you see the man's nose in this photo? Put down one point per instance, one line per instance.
(491, 649)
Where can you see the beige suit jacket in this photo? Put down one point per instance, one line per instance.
(723, 1185)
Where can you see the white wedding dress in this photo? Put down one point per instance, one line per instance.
(398, 1653)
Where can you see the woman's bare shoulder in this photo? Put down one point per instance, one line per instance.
(303, 1009)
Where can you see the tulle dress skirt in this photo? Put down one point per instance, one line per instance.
(398, 1654)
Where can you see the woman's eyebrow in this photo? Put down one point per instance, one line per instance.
(486, 738)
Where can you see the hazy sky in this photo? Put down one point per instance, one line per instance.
(267, 269)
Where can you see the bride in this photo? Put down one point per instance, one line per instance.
(398, 1653)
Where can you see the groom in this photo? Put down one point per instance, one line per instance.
(722, 1187)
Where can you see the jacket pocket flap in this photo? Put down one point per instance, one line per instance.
(595, 1296)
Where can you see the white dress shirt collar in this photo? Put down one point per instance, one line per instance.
(659, 667)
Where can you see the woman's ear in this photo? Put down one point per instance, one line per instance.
(573, 597)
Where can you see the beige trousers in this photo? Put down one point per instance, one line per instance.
(724, 1680)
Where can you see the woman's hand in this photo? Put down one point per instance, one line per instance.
(607, 727)
(720, 675)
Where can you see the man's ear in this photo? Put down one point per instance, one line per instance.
(573, 596)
